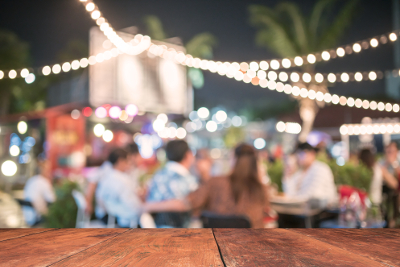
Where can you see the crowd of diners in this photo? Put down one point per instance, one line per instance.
(184, 187)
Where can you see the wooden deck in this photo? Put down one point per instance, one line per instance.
(199, 247)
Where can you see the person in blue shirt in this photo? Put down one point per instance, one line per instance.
(174, 181)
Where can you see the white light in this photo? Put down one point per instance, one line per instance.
(211, 126)
(325, 55)
(319, 78)
(388, 107)
(365, 104)
(306, 77)
(304, 92)
(66, 67)
(298, 61)
(158, 125)
(294, 77)
(372, 76)
(254, 66)
(327, 97)
(22, 127)
(263, 83)
(99, 130)
(163, 118)
(293, 128)
(392, 37)
(374, 42)
(30, 78)
(14, 150)
(239, 76)
(75, 114)
(84, 62)
(331, 78)
(1, 74)
(274, 64)
(96, 14)
(358, 76)
(24, 73)
(215, 153)
(221, 116)
(236, 121)
(345, 77)
(373, 105)
(56, 69)
(203, 113)
(280, 126)
(295, 91)
(356, 47)
(350, 102)
(283, 76)
(311, 94)
(264, 65)
(396, 108)
(311, 59)
(271, 85)
(181, 133)
(286, 63)
(288, 89)
(251, 73)
(335, 99)
(108, 136)
(9, 168)
(381, 106)
(344, 130)
(272, 75)
(259, 143)
(340, 52)
(340, 161)
(90, 7)
(12, 74)
(358, 103)
(261, 74)
(75, 64)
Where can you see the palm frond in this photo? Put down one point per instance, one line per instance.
(315, 18)
(272, 32)
(155, 28)
(337, 29)
(201, 45)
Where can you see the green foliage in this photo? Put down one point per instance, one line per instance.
(288, 32)
(233, 136)
(201, 45)
(62, 213)
(155, 28)
(275, 173)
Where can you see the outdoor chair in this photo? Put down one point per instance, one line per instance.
(213, 220)
(82, 218)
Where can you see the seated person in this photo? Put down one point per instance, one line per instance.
(39, 192)
(117, 191)
(314, 180)
(174, 181)
(240, 193)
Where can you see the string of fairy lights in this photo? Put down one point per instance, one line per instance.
(253, 72)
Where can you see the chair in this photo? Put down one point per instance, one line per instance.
(213, 220)
(82, 218)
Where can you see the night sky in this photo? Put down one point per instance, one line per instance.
(47, 25)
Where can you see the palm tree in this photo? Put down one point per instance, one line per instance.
(201, 46)
(286, 31)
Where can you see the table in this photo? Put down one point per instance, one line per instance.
(297, 210)
(199, 247)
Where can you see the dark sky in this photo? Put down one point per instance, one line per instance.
(47, 25)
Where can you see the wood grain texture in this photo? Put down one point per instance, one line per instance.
(280, 247)
(381, 245)
(6, 234)
(51, 246)
(152, 247)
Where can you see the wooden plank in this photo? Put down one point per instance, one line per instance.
(48, 247)
(280, 247)
(152, 247)
(381, 245)
(6, 234)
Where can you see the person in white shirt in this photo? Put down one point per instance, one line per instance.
(39, 191)
(117, 191)
(313, 181)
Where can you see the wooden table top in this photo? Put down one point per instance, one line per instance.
(199, 247)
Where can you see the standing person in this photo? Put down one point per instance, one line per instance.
(39, 191)
(375, 191)
(391, 171)
(117, 191)
(314, 179)
(240, 193)
(174, 181)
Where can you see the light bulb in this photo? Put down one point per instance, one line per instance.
(345, 77)
(306, 77)
(264, 65)
(286, 63)
(340, 52)
(372, 76)
(374, 42)
(274, 64)
(294, 77)
(12, 74)
(331, 77)
(358, 76)
(90, 7)
(319, 78)
(46, 70)
(357, 47)
(298, 61)
(392, 37)
(311, 59)
(24, 73)
(325, 55)
(254, 66)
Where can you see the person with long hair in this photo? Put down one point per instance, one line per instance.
(239, 193)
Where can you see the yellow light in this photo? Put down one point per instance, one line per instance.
(99, 130)
(307, 77)
(254, 66)
(340, 52)
(358, 76)
(325, 55)
(294, 77)
(319, 78)
(90, 7)
(372, 76)
(24, 73)
(286, 63)
(56, 69)
(22, 127)
(374, 42)
(331, 78)
(264, 65)
(356, 47)
(311, 59)
(96, 14)
(274, 64)
(298, 61)
(393, 37)
(345, 77)
(12, 74)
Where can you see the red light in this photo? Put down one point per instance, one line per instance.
(87, 112)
